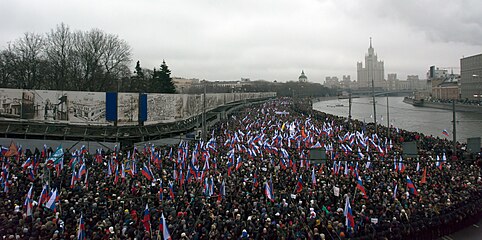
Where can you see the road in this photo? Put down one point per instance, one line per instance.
(473, 232)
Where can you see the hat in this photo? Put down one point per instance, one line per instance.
(111, 229)
(244, 233)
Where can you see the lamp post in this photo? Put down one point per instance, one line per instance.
(374, 106)
(204, 115)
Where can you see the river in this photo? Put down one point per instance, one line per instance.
(429, 121)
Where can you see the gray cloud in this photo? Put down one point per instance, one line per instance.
(271, 39)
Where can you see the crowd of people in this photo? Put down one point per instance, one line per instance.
(255, 177)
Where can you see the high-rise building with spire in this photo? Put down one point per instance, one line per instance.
(373, 70)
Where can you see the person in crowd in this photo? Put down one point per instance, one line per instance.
(251, 179)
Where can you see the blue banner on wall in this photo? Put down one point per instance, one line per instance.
(142, 107)
(111, 106)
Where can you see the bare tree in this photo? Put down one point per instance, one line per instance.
(59, 51)
(90, 47)
(66, 60)
(28, 52)
(7, 63)
(116, 56)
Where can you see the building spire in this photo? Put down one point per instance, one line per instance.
(370, 42)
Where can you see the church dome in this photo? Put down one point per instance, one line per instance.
(302, 77)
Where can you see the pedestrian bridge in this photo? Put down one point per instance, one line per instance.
(380, 92)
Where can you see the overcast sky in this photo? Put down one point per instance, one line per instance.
(267, 39)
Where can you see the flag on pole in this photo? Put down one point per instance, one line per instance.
(81, 230)
(51, 202)
(56, 157)
(82, 170)
(359, 185)
(313, 178)
(146, 172)
(222, 191)
(350, 221)
(445, 132)
(239, 162)
(12, 150)
(299, 185)
(269, 192)
(171, 190)
(28, 202)
(44, 195)
(411, 187)
(163, 228)
(395, 191)
(147, 219)
(86, 181)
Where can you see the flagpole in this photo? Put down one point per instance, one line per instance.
(354, 194)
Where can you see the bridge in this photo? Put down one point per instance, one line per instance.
(125, 135)
(378, 92)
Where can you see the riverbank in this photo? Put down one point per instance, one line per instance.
(446, 106)
(321, 99)
(406, 116)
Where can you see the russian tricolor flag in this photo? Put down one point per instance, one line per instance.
(222, 191)
(239, 162)
(82, 170)
(411, 187)
(147, 219)
(81, 231)
(28, 202)
(445, 132)
(313, 177)
(147, 173)
(163, 228)
(44, 195)
(359, 185)
(299, 185)
(171, 190)
(51, 202)
(350, 221)
(269, 192)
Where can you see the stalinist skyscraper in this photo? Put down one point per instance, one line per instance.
(373, 70)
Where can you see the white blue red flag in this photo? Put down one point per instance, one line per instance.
(350, 221)
(163, 228)
(411, 187)
(81, 230)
